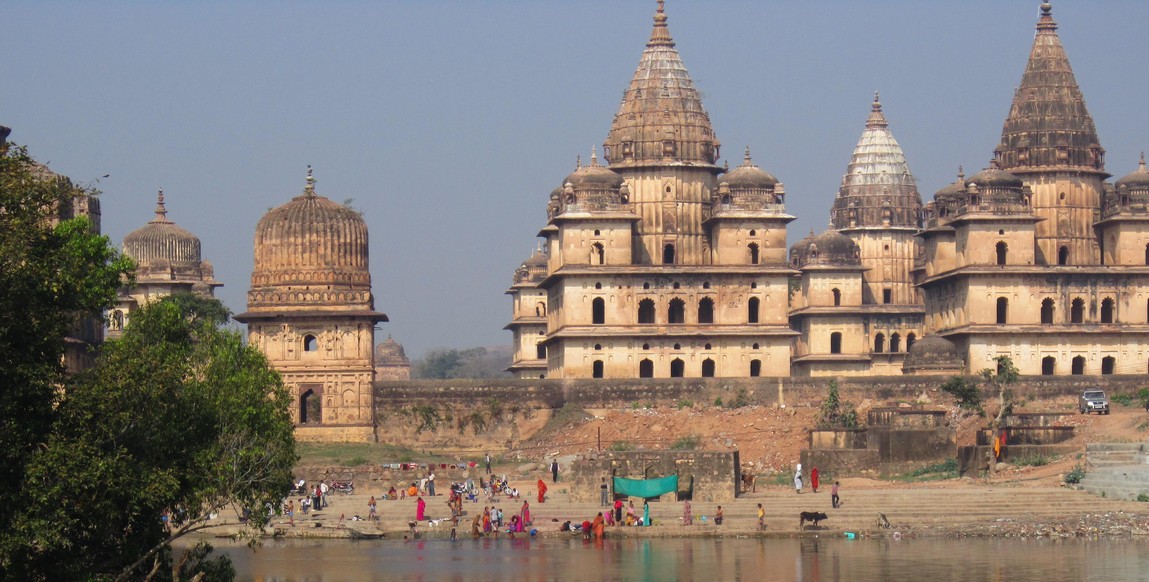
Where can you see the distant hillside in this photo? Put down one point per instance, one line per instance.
(443, 363)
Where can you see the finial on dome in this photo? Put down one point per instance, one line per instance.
(660, 36)
(161, 210)
(961, 173)
(746, 156)
(876, 119)
(593, 156)
(310, 188)
(877, 101)
(578, 162)
(1046, 21)
(1142, 164)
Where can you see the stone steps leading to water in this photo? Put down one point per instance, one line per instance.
(1117, 470)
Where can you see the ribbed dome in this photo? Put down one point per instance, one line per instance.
(831, 248)
(311, 250)
(391, 353)
(952, 191)
(594, 177)
(933, 353)
(748, 176)
(1137, 180)
(798, 251)
(160, 238)
(993, 177)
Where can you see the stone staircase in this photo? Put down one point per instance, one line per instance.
(1116, 470)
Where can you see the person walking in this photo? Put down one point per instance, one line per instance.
(604, 494)
(814, 479)
(798, 479)
(487, 459)
(761, 518)
(554, 470)
(834, 495)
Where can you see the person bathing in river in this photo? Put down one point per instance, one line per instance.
(597, 525)
(630, 514)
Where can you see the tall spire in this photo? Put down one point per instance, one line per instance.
(1048, 125)
(309, 190)
(661, 119)
(878, 189)
(161, 210)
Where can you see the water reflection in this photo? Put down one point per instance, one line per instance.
(813, 559)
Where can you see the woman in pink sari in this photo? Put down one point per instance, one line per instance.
(420, 507)
(525, 516)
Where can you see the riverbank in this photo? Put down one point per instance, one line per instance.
(954, 508)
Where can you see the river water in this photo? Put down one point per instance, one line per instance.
(814, 559)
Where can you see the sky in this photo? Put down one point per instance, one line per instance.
(447, 124)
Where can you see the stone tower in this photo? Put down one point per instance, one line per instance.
(662, 144)
(1050, 142)
(167, 261)
(311, 311)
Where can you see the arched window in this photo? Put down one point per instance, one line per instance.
(755, 368)
(646, 311)
(598, 311)
(646, 369)
(1002, 251)
(677, 368)
(836, 343)
(895, 342)
(1047, 311)
(1048, 365)
(1078, 365)
(1002, 310)
(910, 339)
(706, 310)
(707, 368)
(1108, 364)
(1077, 311)
(753, 247)
(310, 344)
(1063, 256)
(837, 297)
(597, 369)
(879, 343)
(668, 255)
(677, 311)
(1107, 310)
(541, 351)
(598, 254)
(752, 310)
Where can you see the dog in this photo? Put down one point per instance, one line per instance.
(883, 522)
(812, 516)
(436, 522)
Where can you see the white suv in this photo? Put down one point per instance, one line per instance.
(1093, 401)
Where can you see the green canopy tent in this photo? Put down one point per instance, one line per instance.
(645, 487)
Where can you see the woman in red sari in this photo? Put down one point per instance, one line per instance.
(596, 526)
(814, 479)
(542, 491)
(420, 507)
(525, 516)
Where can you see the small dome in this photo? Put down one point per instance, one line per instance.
(161, 239)
(833, 248)
(748, 176)
(933, 353)
(994, 177)
(391, 353)
(953, 190)
(594, 177)
(798, 250)
(537, 259)
(1139, 179)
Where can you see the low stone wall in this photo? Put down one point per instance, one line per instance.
(906, 417)
(972, 459)
(834, 463)
(1028, 435)
(707, 476)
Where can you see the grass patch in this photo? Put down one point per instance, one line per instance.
(621, 446)
(786, 478)
(1032, 460)
(686, 443)
(947, 469)
(685, 404)
(352, 454)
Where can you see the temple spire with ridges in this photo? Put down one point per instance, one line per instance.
(1048, 124)
(878, 189)
(661, 120)
(161, 209)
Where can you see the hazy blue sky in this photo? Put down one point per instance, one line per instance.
(449, 123)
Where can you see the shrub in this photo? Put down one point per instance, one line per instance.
(686, 443)
(718, 402)
(740, 399)
(621, 446)
(835, 414)
(947, 466)
(1031, 460)
(1076, 475)
(967, 394)
(685, 404)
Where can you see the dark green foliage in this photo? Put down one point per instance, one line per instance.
(686, 443)
(836, 414)
(177, 415)
(54, 274)
(1076, 475)
(449, 363)
(1000, 380)
(967, 393)
(740, 399)
(948, 467)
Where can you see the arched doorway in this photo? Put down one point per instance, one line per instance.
(677, 368)
(646, 369)
(310, 404)
(1078, 365)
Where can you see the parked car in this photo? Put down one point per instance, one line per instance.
(1093, 401)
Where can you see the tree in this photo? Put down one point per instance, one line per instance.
(54, 273)
(836, 414)
(967, 393)
(178, 417)
(1000, 380)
